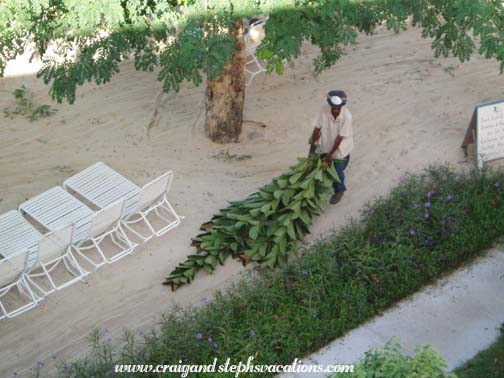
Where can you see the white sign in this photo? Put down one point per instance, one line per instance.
(490, 132)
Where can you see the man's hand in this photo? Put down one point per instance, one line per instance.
(328, 159)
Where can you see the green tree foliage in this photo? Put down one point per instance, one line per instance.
(189, 39)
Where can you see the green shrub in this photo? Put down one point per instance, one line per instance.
(391, 362)
(24, 106)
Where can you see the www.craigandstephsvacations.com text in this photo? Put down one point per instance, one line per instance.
(234, 368)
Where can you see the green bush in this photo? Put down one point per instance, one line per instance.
(24, 106)
(391, 362)
(337, 284)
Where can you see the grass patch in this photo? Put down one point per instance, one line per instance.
(487, 364)
(429, 225)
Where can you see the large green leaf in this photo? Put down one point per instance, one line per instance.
(254, 232)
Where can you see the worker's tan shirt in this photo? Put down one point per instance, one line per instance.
(330, 128)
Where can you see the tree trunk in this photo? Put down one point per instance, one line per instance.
(225, 95)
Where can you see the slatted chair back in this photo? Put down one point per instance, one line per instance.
(55, 244)
(154, 190)
(12, 267)
(106, 218)
(16, 234)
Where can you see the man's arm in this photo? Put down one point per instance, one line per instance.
(314, 139)
(329, 156)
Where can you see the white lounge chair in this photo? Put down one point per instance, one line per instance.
(19, 253)
(56, 248)
(100, 185)
(13, 271)
(56, 209)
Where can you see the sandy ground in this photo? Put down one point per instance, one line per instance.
(409, 109)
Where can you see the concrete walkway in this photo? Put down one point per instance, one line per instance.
(460, 316)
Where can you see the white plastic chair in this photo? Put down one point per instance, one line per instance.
(252, 41)
(56, 208)
(100, 185)
(56, 248)
(13, 271)
(153, 200)
(107, 222)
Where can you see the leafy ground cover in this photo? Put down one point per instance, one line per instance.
(427, 226)
(390, 361)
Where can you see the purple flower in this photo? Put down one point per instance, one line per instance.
(142, 353)
(252, 333)
(67, 366)
(449, 197)
(371, 212)
(304, 273)
(429, 195)
(185, 360)
(427, 205)
(253, 271)
(435, 184)
(208, 325)
(40, 364)
(199, 336)
(203, 300)
(15, 374)
(426, 216)
(215, 345)
(412, 232)
(497, 184)
(55, 356)
(210, 339)
(415, 206)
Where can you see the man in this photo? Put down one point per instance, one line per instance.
(333, 127)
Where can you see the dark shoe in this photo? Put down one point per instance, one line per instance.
(336, 197)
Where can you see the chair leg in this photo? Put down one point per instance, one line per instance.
(34, 299)
(80, 250)
(96, 242)
(119, 233)
(126, 224)
(73, 261)
(45, 273)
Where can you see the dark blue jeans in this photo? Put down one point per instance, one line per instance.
(340, 168)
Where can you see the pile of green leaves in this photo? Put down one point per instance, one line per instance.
(265, 226)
